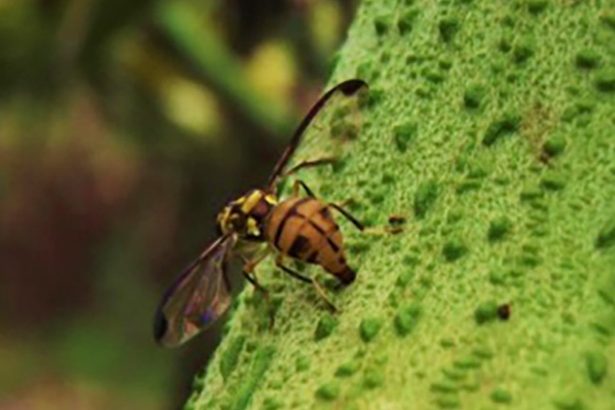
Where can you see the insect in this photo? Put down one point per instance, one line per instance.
(251, 227)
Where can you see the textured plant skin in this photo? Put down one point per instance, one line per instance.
(490, 126)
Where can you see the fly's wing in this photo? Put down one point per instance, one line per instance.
(336, 114)
(199, 296)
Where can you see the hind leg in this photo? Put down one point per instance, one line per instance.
(317, 286)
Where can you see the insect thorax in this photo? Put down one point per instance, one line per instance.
(246, 215)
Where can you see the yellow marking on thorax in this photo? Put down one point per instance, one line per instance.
(271, 199)
(223, 217)
(251, 201)
(253, 227)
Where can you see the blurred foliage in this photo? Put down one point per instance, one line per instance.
(124, 127)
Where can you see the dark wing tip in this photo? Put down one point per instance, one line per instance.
(160, 326)
(350, 87)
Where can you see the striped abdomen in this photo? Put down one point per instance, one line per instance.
(304, 229)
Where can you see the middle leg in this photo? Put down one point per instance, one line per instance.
(299, 183)
(309, 164)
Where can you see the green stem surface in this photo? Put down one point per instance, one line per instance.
(490, 127)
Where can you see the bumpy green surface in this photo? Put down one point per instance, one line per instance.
(491, 127)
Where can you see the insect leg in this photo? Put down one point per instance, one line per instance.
(296, 275)
(337, 207)
(321, 292)
(348, 216)
(255, 283)
(299, 183)
(317, 286)
(248, 273)
(249, 265)
(309, 163)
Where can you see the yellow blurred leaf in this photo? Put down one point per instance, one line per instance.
(191, 106)
(325, 21)
(272, 71)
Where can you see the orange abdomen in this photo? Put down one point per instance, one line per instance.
(304, 229)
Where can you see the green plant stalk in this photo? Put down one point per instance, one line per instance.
(489, 125)
(203, 48)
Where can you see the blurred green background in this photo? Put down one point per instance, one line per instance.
(124, 127)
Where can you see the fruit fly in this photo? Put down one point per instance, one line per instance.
(251, 227)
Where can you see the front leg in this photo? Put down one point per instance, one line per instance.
(248, 273)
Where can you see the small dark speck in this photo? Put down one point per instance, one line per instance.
(504, 311)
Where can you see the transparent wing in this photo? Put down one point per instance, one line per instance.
(199, 296)
(336, 114)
